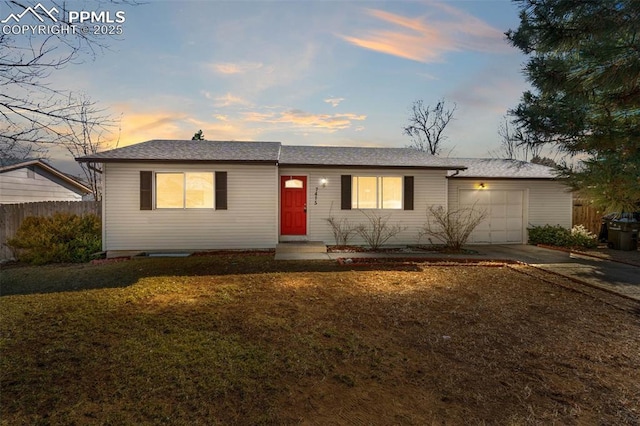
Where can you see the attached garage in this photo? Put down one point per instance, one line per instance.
(505, 209)
(516, 195)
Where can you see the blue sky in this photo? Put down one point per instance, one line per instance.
(306, 72)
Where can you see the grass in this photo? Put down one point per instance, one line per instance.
(247, 340)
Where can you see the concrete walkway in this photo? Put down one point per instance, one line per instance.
(618, 277)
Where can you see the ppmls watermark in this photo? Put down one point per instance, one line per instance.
(39, 20)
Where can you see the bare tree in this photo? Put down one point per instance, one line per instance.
(515, 144)
(33, 113)
(509, 148)
(88, 130)
(427, 124)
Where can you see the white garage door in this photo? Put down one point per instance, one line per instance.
(504, 223)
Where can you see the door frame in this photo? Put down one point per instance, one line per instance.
(292, 237)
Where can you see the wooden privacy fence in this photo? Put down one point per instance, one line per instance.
(586, 215)
(12, 215)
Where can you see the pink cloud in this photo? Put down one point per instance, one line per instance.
(428, 39)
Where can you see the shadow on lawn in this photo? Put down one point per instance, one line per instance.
(20, 280)
(468, 347)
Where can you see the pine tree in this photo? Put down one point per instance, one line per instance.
(198, 136)
(584, 66)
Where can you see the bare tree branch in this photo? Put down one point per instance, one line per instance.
(515, 144)
(35, 114)
(427, 125)
(87, 130)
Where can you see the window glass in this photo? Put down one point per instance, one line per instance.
(199, 190)
(391, 192)
(184, 190)
(374, 192)
(293, 183)
(169, 190)
(365, 192)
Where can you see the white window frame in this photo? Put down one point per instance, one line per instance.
(379, 193)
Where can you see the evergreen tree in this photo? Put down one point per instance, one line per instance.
(198, 136)
(584, 66)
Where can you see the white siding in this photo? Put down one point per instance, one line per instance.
(23, 186)
(249, 222)
(429, 189)
(545, 201)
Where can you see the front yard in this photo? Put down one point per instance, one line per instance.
(247, 340)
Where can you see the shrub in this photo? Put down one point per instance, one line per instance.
(342, 230)
(562, 237)
(60, 238)
(452, 227)
(377, 231)
(582, 237)
(550, 235)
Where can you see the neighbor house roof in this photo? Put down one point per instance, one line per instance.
(334, 156)
(501, 168)
(190, 151)
(8, 164)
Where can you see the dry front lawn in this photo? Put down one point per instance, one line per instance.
(246, 340)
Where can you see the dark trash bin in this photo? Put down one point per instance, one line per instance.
(620, 231)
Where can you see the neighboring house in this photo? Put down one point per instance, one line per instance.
(196, 195)
(33, 180)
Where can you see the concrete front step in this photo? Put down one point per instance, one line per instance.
(301, 247)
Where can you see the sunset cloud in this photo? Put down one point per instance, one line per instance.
(302, 119)
(334, 101)
(229, 100)
(140, 127)
(427, 39)
(235, 68)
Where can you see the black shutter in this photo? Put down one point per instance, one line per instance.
(221, 190)
(146, 184)
(345, 188)
(408, 192)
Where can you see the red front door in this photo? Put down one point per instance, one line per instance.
(293, 205)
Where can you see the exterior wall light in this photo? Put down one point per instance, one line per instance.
(323, 182)
(482, 185)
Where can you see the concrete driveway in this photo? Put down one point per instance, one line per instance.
(615, 276)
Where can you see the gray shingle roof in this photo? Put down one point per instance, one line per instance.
(8, 164)
(327, 156)
(500, 168)
(188, 151)
(363, 157)
(10, 161)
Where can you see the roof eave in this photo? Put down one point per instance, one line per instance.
(50, 169)
(169, 161)
(368, 166)
(503, 177)
(19, 165)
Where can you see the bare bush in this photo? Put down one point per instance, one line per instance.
(378, 231)
(342, 230)
(452, 227)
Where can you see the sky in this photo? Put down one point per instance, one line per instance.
(310, 72)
